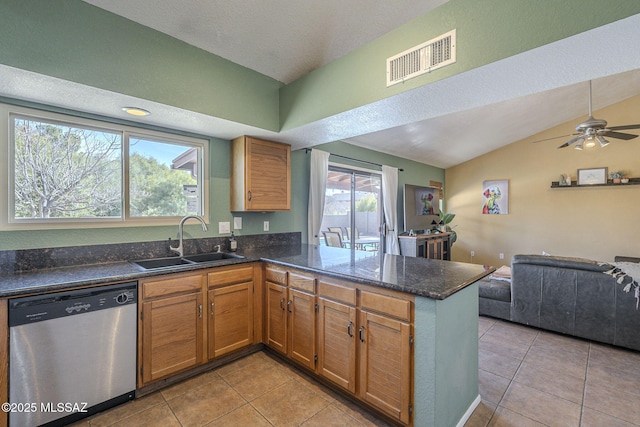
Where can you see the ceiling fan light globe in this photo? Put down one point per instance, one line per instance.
(603, 142)
(579, 144)
(590, 143)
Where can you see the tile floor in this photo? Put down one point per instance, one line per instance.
(530, 377)
(527, 377)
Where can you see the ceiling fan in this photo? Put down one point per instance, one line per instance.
(593, 131)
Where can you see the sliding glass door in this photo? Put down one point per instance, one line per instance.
(353, 210)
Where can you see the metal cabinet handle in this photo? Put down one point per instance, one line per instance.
(360, 331)
(289, 306)
(282, 303)
(200, 310)
(349, 329)
(250, 195)
(212, 304)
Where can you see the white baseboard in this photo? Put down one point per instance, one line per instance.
(470, 410)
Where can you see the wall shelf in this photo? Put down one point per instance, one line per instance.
(632, 181)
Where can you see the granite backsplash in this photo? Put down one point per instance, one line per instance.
(14, 261)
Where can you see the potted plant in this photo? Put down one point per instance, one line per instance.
(445, 219)
(617, 176)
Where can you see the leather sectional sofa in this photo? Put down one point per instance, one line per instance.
(568, 295)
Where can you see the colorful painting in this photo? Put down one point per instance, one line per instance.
(426, 200)
(495, 197)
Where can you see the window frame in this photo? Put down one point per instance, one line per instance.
(7, 181)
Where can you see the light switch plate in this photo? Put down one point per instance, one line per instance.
(266, 226)
(237, 223)
(224, 227)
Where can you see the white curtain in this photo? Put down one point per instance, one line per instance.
(317, 188)
(390, 198)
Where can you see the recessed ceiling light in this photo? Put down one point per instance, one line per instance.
(135, 111)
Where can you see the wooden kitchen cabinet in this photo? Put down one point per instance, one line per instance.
(172, 338)
(260, 175)
(384, 336)
(291, 315)
(230, 309)
(337, 327)
(187, 319)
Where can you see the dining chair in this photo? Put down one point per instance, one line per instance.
(332, 238)
(337, 230)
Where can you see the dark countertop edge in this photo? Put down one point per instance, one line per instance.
(131, 272)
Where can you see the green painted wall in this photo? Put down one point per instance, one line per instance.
(487, 31)
(78, 42)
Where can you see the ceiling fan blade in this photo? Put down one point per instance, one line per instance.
(571, 141)
(620, 135)
(624, 127)
(554, 137)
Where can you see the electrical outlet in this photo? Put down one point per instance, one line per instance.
(266, 226)
(237, 223)
(473, 253)
(501, 255)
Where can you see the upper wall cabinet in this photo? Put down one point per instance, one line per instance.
(260, 175)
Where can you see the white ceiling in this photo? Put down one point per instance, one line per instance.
(443, 124)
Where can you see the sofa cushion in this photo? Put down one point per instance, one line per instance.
(495, 289)
(560, 262)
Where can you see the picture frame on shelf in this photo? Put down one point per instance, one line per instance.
(592, 176)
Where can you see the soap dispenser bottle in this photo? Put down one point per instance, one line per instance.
(233, 243)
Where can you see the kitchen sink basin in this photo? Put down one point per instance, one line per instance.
(156, 263)
(211, 257)
(151, 264)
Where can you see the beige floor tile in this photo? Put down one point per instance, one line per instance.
(126, 410)
(331, 416)
(514, 332)
(561, 343)
(245, 415)
(365, 417)
(625, 381)
(498, 364)
(204, 404)
(189, 384)
(593, 418)
(256, 358)
(502, 345)
(552, 381)
(561, 361)
(481, 415)
(616, 358)
(506, 418)
(159, 415)
(484, 324)
(541, 407)
(290, 404)
(613, 402)
(492, 386)
(256, 379)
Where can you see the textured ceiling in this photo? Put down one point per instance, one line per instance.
(465, 116)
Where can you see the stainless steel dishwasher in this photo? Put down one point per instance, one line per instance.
(71, 354)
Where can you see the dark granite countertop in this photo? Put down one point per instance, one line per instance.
(428, 278)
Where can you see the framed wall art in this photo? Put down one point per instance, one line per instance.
(495, 197)
(593, 176)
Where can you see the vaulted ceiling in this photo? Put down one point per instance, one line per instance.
(478, 111)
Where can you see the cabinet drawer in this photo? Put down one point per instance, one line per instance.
(337, 292)
(299, 281)
(395, 307)
(158, 287)
(276, 275)
(225, 276)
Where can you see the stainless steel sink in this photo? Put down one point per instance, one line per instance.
(156, 263)
(211, 257)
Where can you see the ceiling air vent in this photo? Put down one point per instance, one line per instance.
(422, 59)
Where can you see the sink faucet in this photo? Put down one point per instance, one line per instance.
(179, 249)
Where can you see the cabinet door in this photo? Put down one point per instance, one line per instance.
(434, 248)
(385, 379)
(277, 317)
(230, 318)
(268, 175)
(337, 343)
(172, 335)
(302, 327)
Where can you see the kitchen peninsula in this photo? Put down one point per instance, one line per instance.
(439, 299)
